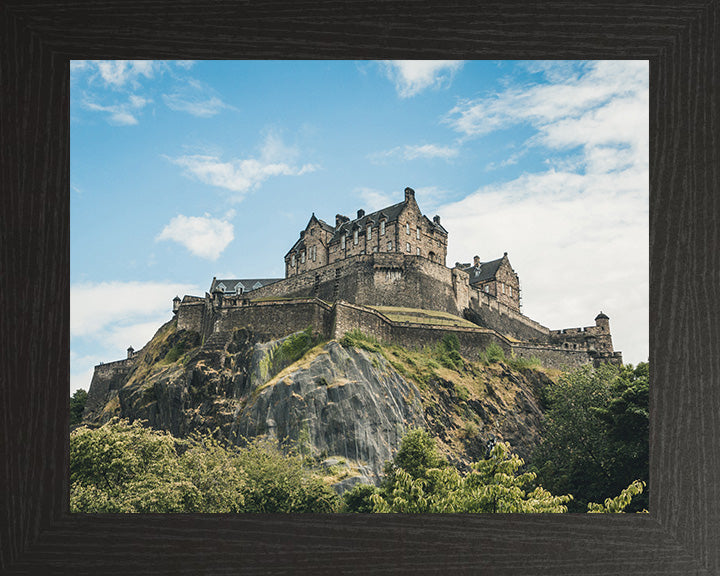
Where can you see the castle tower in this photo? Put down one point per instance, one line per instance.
(603, 321)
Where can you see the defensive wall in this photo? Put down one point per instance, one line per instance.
(272, 319)
(107, 379)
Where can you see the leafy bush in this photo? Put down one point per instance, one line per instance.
(123, 467)
(522, 363)
(77, 406)
(447, 352)
(356, 339)
(492, 354)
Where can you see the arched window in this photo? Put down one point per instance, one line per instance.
(431, 255)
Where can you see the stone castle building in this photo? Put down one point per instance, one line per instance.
(384, 273)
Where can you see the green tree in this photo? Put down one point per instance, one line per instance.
(77, 406)
(595, 436)
(123, 467)
(429, 484)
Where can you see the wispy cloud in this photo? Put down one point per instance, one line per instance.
(117, 73)
(411, 77)
(100, 307)
(122, 114)
(195, 98)
(243, 175)
(414, 152)
(587, 214)
(203, 236)
(114, 316)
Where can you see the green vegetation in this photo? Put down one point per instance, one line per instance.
(595, 437)
(295, 346)
(492, 354)
(123, 467)
(77, 406)
(419, 480)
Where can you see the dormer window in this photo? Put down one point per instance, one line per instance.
(221, 287)
(239, 288)
(369, 232)
(382, 227)
(257, 285)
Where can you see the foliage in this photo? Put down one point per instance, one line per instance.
(492, 354)
(619, 503)
(595, 437)
(295, 346)
(447, 352)
(77, 406)
(429, 484)
(359, 499)
(123, 467)
(522, 363)
(357, 339)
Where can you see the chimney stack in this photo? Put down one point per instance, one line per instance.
(340, 219)
(409, 193)
(360, 213)
(436, 219)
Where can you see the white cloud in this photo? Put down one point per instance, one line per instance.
(195, 98)
(123, 114)
(204, 236)
(577, 233)
(411, 77)
(244, 175)
(117, 73)
(98, 307)
(375, 199)
(413, 152)
(201, 108)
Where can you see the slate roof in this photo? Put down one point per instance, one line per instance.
(248, 283)
(487, 271)
(391, 214)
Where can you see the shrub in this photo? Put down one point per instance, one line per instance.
(492, 354)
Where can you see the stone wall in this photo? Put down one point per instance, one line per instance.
(107, 379)
(490, 313)
(553, 357)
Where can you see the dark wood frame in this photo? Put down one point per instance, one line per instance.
(681, 535)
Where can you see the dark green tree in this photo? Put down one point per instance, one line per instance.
(77, 406)
(595, 436)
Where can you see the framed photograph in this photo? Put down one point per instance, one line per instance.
(38, 533)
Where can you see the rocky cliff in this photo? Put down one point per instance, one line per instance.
(346, 403)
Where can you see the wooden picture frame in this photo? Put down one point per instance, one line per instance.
(681, 535)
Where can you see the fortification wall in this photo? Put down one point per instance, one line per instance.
(107, 379)
(553, 357)
(472, 340)
(490, 313)
(375, 279)
(272, 320)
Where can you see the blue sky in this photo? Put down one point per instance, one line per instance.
(181, 171)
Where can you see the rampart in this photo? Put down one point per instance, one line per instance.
(107, 379)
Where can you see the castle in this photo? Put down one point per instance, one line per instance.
(384, 273)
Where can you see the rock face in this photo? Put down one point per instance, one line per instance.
(345, 406)
(343, 401)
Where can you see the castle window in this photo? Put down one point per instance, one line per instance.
(342, 241)
(389, 246)
(407, 246)
(382, 227)
(302, 257)
(375, 248)
(314, 253)
(418, 251)
(221, 287)
(510, 289)
(431, 255)
(487, 289)
(417, 232)
(369, 232)
(292, 261)
(407, 228)
(355, 237)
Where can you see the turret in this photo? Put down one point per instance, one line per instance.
(176, 304)
(603, 321)
(131, 352)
